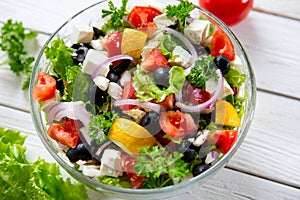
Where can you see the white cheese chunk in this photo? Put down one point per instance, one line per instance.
(182, 57)
(163, 21)
(90, 170)
(125, 77)
(111, 163)
(102, 82)
(82, 34)
(197, 31)
(227, 90)
(92, 59)
(96, 45)
(237, 64)
(114, 90)
(211, 157)
(240, 92)
(152, 44)
(136, 114)
(200, 138)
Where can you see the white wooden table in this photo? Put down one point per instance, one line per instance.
(267, 165)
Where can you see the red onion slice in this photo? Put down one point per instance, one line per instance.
(153, 106)
(207, 104)
(188, 44)
(107, 61)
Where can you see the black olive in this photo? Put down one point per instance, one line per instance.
(189, 155)
(162, 76)
(113, 77)
(96, 95)
(222, 63)
(151, 122)
(78, 153)
(198, 169)
(59, 85)
(97, 33)
(121, 67)
(79, 54)
(174, 26)
(202, 50)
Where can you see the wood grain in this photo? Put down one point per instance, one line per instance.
(285, 8)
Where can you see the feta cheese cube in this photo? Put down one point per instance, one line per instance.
(163, 21)
(102, 82)
(82, 34)
(92, 59)
(240, 92)
(200, 138)
(237, 64)
(197, 31)
(125, 77)
(114, 90)
(227, 90)
(182, 57)
(96, 45)
(111, 163)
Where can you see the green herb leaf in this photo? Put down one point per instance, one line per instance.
(202, 72)
(115, 23)
(235, 78)
(12, 36)
(155, 162)
(181, 12)
(100, 125)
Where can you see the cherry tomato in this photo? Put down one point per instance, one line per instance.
(45, 87)
(223, 139)
(154, 60)
(65, 132)
(142, 16)
(177, 124)
(112, 43)
(222, 45)
(230, 11)
(195, 95)
(127, 163)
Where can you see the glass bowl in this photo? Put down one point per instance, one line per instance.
(92, 15)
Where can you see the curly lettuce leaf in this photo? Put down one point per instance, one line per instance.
(21, 179)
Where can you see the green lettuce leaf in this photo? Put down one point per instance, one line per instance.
(21, 179)
(147, 90)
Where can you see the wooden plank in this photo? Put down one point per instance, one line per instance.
(271, 148)
(273, 52)
(226, 184)
(286, 8)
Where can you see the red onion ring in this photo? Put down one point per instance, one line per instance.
(107, 61)
(188, 44)
(153, 106)
(207, 104)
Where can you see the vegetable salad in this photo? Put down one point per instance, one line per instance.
(150, 98)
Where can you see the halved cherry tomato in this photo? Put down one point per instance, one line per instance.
(112, 43)
(222, 45)
(223, 139)
(154, 60)
(195, 95)
(230, 11)
(177, 124)
(127, 163)
(128, 93)
(66, 132)
(45, 87)
(142, 16)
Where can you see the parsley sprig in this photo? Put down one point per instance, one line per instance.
(181, 12)
(101, 123)
(116, 19)
(202, 72)
(12, 36)
(160, 167)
